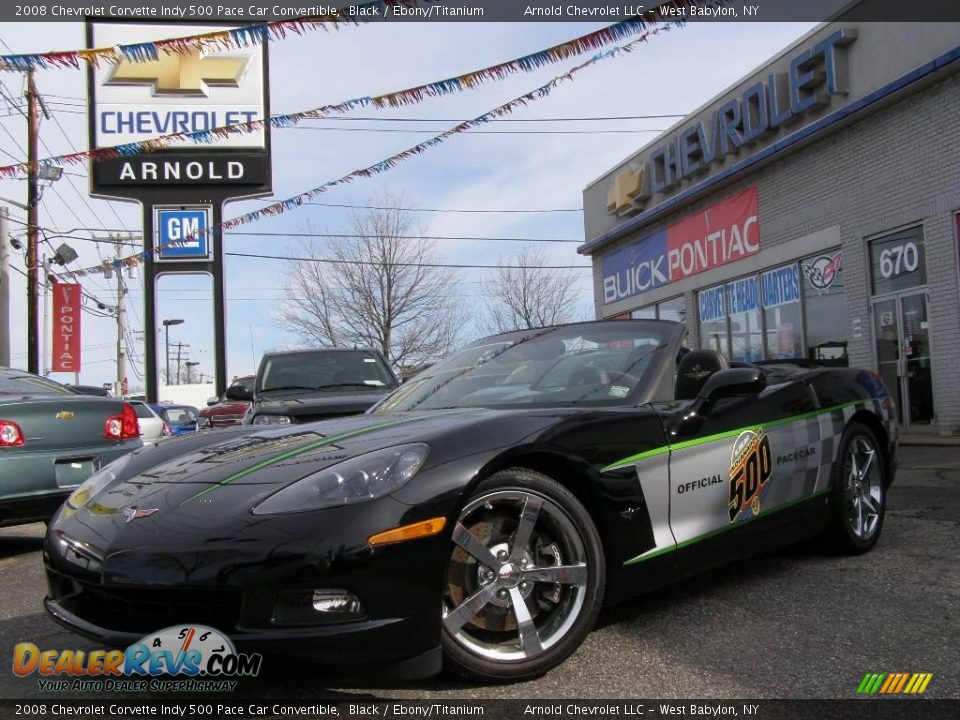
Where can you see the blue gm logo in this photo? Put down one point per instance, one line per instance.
(183, 234)
(190, 651)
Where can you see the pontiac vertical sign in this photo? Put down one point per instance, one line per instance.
(66, 328)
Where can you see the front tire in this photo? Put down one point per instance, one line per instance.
(859, 493)
(525, 578)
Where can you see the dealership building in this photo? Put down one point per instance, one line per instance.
(811, 210)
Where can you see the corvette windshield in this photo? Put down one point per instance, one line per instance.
(574, 365)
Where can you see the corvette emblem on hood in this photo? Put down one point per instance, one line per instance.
(130, 514)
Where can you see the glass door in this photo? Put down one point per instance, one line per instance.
(917, 378)
(902, 335)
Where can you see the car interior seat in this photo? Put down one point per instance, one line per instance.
(587, 375)
(694, 370)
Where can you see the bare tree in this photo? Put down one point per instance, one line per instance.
(522, 294)
(377, 292)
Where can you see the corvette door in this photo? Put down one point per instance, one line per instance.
(749, 460)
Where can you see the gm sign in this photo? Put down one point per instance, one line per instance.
(182, 235)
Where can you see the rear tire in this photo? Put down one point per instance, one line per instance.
(858, 493)
(525, 579)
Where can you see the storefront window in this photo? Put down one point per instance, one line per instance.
(672, 309)
(780, 288)
(647, 313)
(746, 332)
(713, 320)
(825, 308)
(897, 261)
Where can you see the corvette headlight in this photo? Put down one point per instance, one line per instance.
(92, 486)
(271, 420)
(355, 480)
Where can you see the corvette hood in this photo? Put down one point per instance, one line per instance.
(202, 486)
(276, 456)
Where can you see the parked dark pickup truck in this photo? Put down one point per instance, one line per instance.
(306, 385)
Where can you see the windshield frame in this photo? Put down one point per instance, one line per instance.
(654, 382)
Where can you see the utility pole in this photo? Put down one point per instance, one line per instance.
(180, 347)
(33, 230)
(45, 327)
(4, 289)
(121, 335)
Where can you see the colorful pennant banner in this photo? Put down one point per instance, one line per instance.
(244, 36)
(617, 32)
(295, 201)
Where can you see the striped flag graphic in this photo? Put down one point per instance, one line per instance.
(894, 683)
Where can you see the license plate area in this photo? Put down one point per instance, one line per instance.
(70, 472)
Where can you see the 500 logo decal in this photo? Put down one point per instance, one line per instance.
(750, 470)
(187, 651)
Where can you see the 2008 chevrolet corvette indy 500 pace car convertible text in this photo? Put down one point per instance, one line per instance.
(481, 514)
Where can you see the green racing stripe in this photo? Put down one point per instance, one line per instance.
(726, 434)
(323, 442)
(720, 531)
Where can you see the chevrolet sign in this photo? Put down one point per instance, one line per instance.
(194, 92)
(750, 118)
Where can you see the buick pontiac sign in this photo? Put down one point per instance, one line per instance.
(723, 233)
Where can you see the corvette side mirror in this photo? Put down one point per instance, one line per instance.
(238, 392)
(735, 382)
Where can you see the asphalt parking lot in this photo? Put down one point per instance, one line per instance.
(791, 624)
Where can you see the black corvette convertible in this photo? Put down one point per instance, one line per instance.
(481, 514)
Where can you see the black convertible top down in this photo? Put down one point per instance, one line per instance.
(483, 512)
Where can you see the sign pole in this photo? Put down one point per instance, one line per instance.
(219, 303)
(150, 308)
(4, 290)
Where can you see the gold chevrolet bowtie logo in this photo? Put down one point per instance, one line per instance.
(626, 186)
(64, 415)
(188, 74)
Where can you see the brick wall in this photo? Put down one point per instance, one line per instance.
(896, 167)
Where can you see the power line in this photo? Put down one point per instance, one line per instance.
(403, 237)
(472, 132)
(441, 210)
(594, 118)
(425, 265)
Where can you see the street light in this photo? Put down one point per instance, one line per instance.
(166, 325)
(190, 364)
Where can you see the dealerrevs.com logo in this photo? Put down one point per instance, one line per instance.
(199, 658)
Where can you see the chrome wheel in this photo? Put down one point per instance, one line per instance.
(863, 499)
(517, 576)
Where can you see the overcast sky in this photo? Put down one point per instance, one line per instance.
(673, 73)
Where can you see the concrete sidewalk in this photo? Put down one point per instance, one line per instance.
(930, 440)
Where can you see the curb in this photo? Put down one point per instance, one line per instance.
(930, 440)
